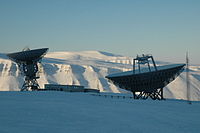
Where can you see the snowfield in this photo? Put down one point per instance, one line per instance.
(62, 112)
(89, 68)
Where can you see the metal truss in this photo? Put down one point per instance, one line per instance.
(155, 95)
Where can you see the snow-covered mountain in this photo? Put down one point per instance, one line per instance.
(89, 68)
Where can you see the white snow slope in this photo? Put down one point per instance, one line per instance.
(61, 112)
(89, 68)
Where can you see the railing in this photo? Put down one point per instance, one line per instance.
(113, 96)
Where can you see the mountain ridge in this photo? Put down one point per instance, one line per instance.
(89, 68)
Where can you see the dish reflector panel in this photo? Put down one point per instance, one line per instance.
(28, 56)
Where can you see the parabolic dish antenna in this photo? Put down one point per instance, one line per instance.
(28, 61)
(148, 81)
(28, 55)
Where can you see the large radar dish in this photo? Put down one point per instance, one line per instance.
(148, 81)
(28, 60)
(28, 55)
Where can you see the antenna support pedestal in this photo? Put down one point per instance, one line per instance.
(27, 60)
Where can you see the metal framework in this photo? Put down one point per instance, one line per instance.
(144, 59)
(148, 84)
(30, 85)
(28, 63)
(157, 94)
(30, 81)
(188, 79)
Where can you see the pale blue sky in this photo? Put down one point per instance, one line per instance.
(164, 28)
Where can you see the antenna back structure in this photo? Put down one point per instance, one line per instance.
(28, 60)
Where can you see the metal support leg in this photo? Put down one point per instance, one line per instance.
(155, 95)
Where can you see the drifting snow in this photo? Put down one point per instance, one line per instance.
(61, 112)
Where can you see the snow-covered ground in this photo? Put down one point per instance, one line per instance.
(89, 68)
(62, 112)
